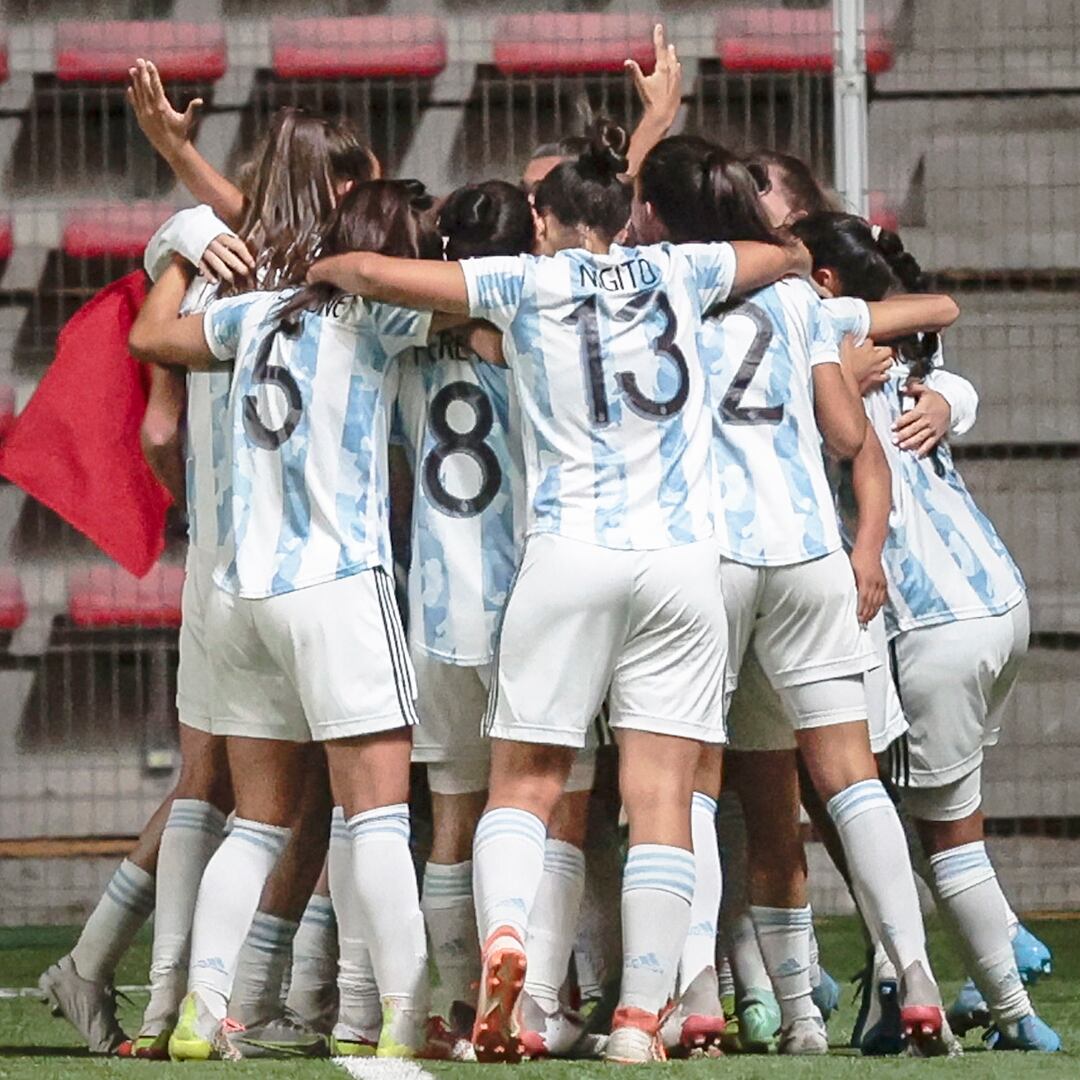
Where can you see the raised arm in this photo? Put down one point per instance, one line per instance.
(871, 481)
(911, 313)
(417, 283)
(660, 93)
(170, 134)
(758, 265)
(160, 335)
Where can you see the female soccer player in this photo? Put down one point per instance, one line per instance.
(777, 381)
(601, 344)
(957, 620)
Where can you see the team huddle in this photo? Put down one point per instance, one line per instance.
(620, 500)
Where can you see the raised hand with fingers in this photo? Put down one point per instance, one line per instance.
(167, 129)
(660, 92)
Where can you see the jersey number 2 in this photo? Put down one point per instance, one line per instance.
(732, 410)
(265, 373)
(584, 318)
(471, 443)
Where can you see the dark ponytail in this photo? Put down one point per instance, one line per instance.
(703, 192)
(490, 218)
(588, 190)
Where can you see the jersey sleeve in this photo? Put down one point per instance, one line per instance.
(187, 233)
(222, 321)
(400, 328)
(496, 285)
(962, 397)
(823, 332)
(713, 269)
(850, 315)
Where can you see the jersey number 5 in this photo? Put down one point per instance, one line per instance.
(471, 443)
(732, 410)
(265, 373)
(584, 318)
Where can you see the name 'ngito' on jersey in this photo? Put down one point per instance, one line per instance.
(604, 355)
(308, 426)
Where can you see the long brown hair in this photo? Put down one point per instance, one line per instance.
(293, 193)
(388, 217)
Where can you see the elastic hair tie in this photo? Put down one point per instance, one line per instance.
(875, 232)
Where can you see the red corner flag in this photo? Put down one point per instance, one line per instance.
(75, 447)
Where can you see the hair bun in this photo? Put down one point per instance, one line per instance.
(606, 153)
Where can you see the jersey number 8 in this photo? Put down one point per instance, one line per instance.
(471, 443)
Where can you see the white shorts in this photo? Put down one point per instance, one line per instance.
(800, 622)
(325, 662)
(953, 680)
(193, 679)
(582, 620)
(451, 701)
(884, 713)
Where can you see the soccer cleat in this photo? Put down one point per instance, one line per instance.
(90, 1007)
(348, 1042)
(555, 1034)
(883, 1032)
(193, 1038)
(635, 1038)
(444, 1042)
(1030, 1033)
(1033, 958)
(282, 1037)
(826, 995)
(151, 1047)
(759, 1021)
(404, 1029)
(497, 1031)
(695, 1024)
(969, 1010)
(804, 1037)
(922, 1018)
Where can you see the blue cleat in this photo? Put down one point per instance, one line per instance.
(1033, 958)
(968, 1011)
(826, 995)
(1030, 1033)
(884, 1032)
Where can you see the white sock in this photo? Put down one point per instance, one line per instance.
(390, 902)
(260, 969)
(815, 956)
(228, 897)
(553, 921)
(1012, 919)
(880, 868)
(447, 902)
(312, 984)
(359, 1007)
(967, 890)
(508, 863)
(658, 887)
(748, 968)
(192, 835)
(699, 952)
(123, 908)
(784, 935)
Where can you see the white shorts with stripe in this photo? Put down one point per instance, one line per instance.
(326, 662)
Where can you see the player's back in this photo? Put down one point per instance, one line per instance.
(309, 425)
(603, 350)
(457, 421)
(774, 501)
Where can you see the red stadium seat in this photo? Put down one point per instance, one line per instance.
(7, 410)
(776, 39)
(7, 238)
(103, 51)
(113, 229)
(566, 43)
(880, 211)
(365, 47)
(3, 57)
(12, 600)
(108, 596)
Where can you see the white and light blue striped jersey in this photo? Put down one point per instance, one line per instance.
(943, 559)
(604, 354)
(308, 428)
(774, 504)
(460, 429)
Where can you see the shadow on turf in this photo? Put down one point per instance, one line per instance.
(46, 1051)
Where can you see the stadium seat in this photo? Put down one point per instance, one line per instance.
(778, 39)
(374, 46)
(12, 601)
(881, 212)
(7, 238)
(3, 57)
(567, 43)
(119, 230)
(100, 596)
(102, 52)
